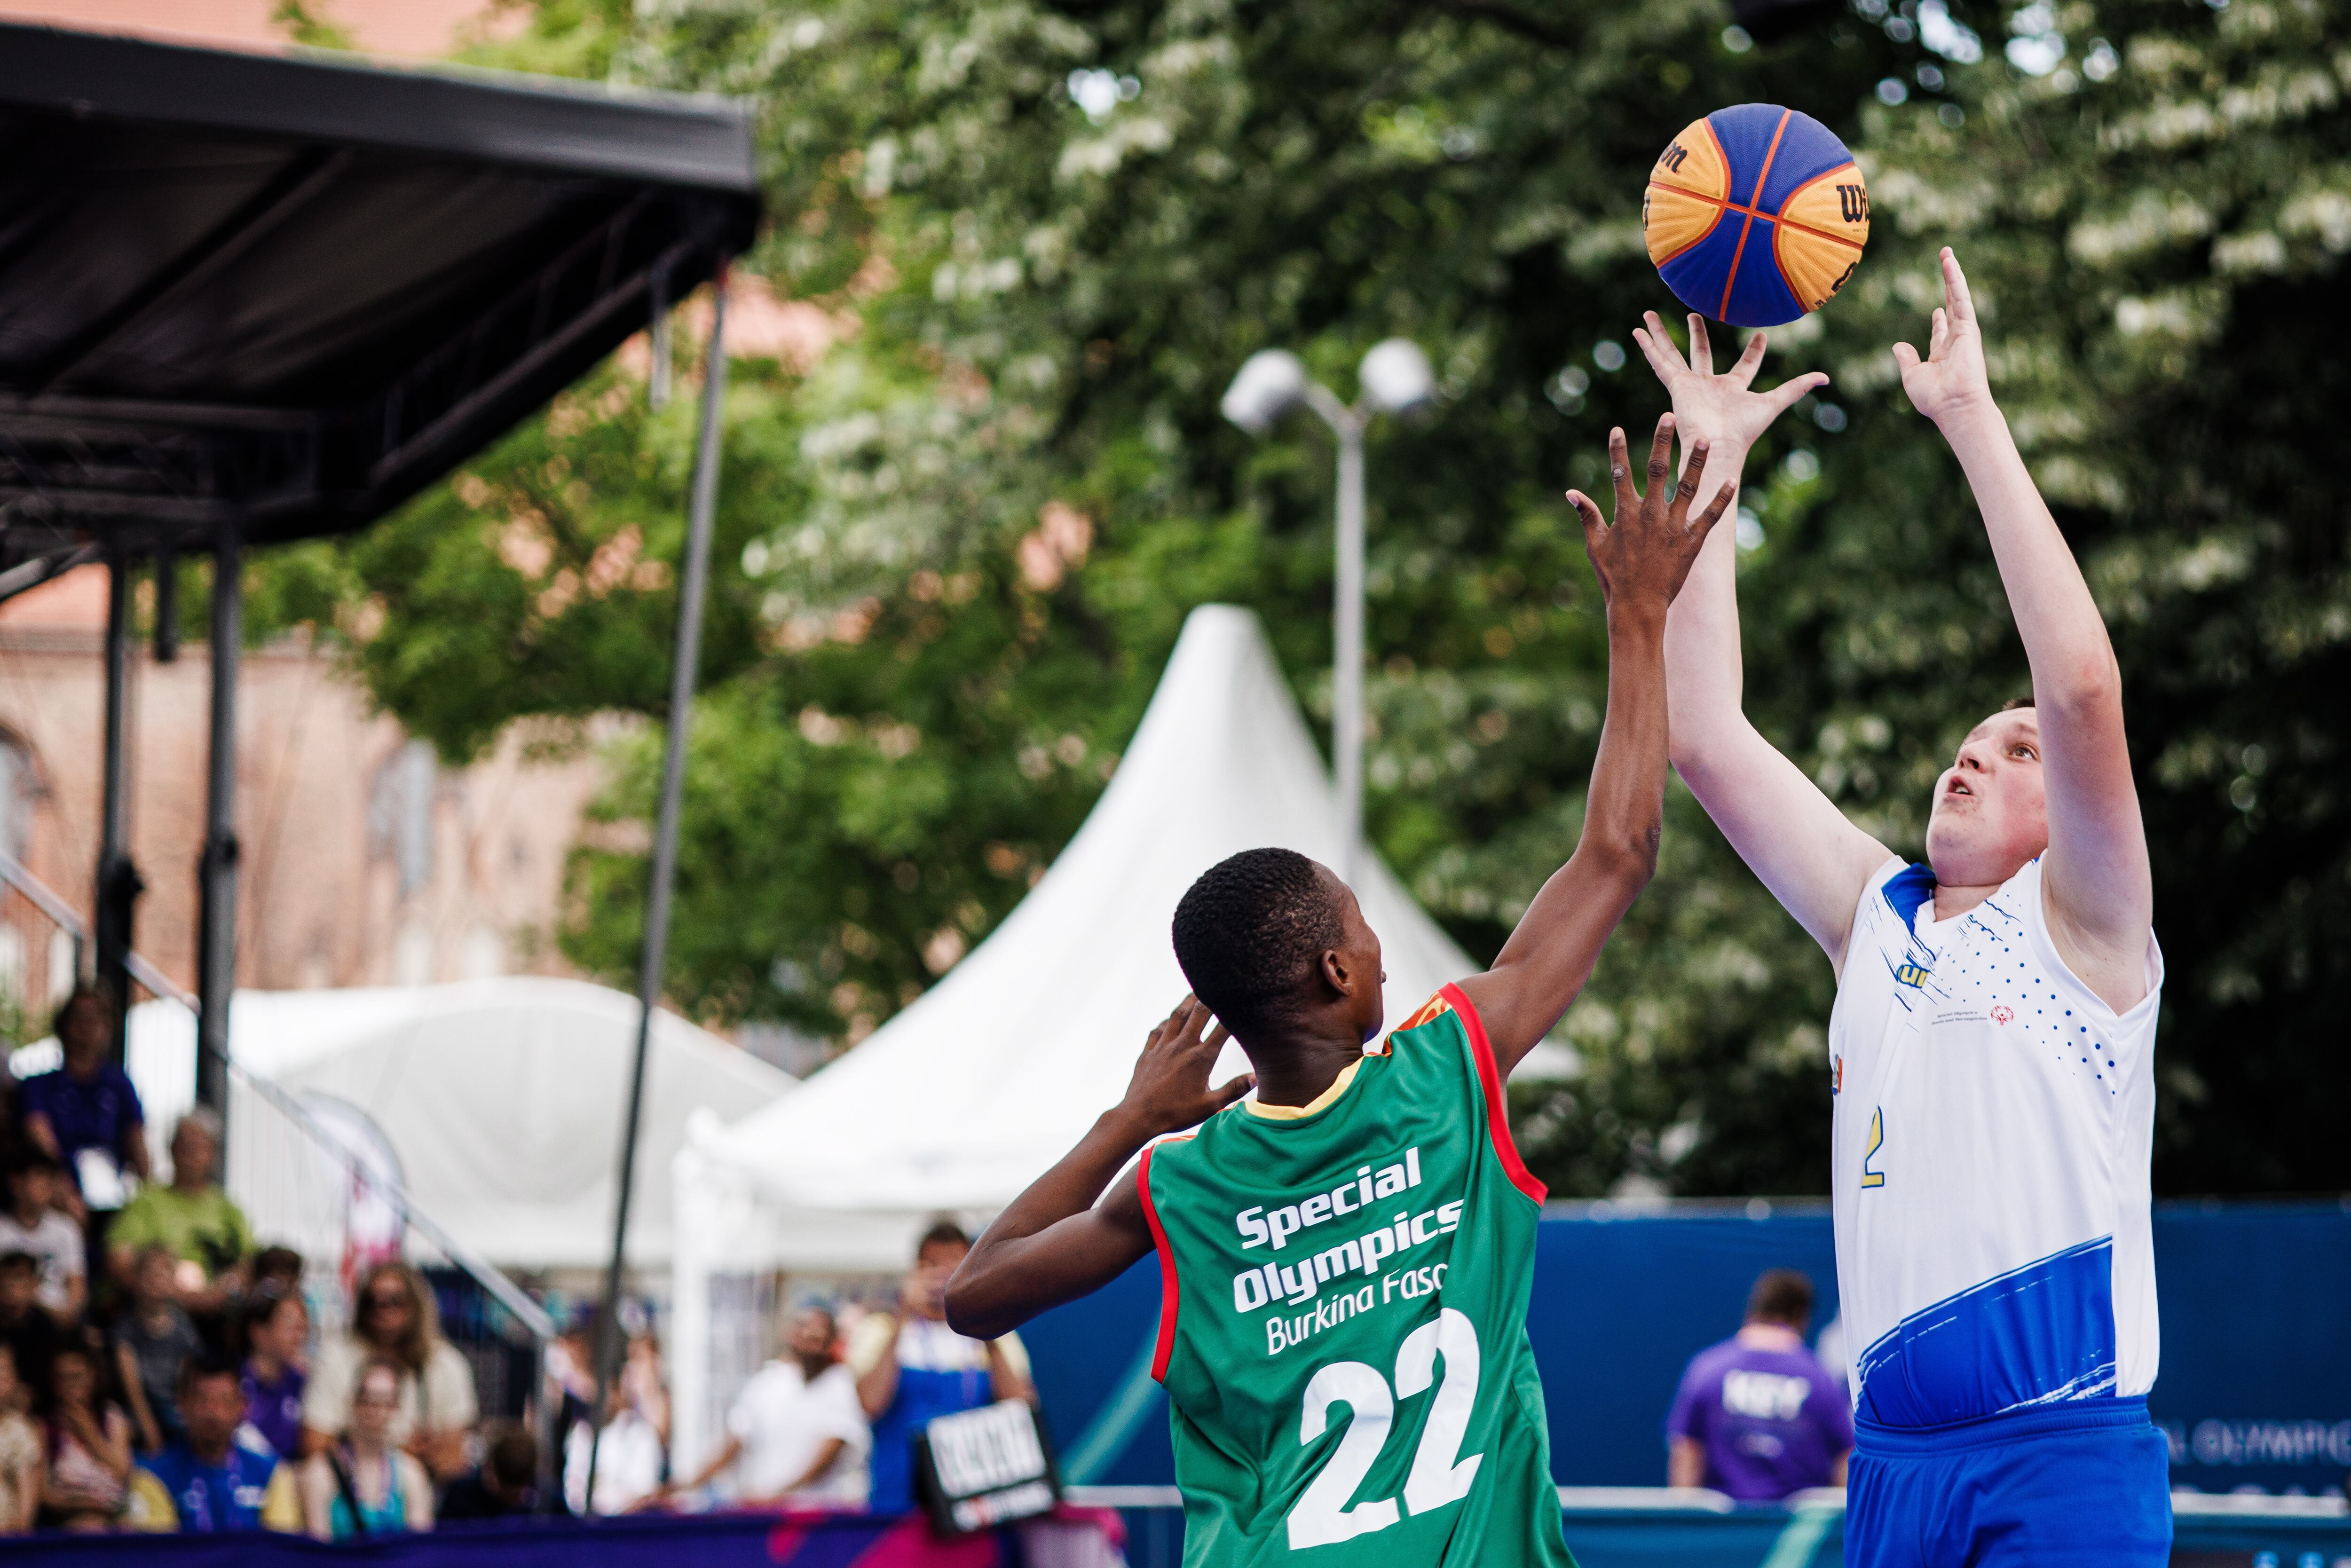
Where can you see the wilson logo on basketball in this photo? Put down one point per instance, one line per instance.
(1853, 203)
(2002, 1015)
(1672, 158)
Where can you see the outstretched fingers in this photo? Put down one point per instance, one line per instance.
(1750, 359)
(1686, 491)
(1594, 529)
(1702, 355)
(1955, 293)
(1661, 459)
(1784, 396)
(1658, 350)
(1620, 470)
(1704, 525)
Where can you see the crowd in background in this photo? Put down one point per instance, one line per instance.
(162, 1371)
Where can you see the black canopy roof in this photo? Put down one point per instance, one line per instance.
(288, 292)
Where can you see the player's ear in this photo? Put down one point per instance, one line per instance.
(1336, 974)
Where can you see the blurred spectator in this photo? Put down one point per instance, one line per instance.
(797, 1427)
(1829, 1351)
(398, 1323)
(629, 1459)
(911, 1368)
(191, 1218)
(31, 1336)
(276, 1331)
(20, 1451)
(152, 1341)
(364, 1485)
(278, 1266)
(211, 1479)
(507, 1485)
(89, 1441)
(1757, 1417)
(34, 1222)
(643, 1387)
(84, 1114)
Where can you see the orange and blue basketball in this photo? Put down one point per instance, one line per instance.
(1756, 214)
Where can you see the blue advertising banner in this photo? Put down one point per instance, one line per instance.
(1600, 1538)
(2255, 1389)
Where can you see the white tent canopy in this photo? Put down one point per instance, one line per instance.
(967, 1096)
(501, 1099)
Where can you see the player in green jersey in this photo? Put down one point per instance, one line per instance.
(1345, 1260)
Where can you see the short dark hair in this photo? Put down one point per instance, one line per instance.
(197, 1368)
(2013, 704)
(1250, 934)
(513, 1459)
(277, 1263)
(84, 995)
(1781, 1296)
(943, 1233)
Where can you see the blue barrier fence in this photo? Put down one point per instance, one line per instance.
(2255, 1389)
(1621, 1537)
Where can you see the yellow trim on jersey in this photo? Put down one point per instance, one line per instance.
(281, 1505)
(1322, 1101)
(148, 1507)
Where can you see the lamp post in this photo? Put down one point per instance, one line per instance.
(1395, 377)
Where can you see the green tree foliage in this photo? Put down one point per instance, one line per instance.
(956, 550)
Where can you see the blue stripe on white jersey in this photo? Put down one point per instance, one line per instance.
(1995, 1124)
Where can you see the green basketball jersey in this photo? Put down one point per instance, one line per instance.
(1342, 1319)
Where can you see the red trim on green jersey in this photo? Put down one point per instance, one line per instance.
(1167, 1290)
(1498, 1114)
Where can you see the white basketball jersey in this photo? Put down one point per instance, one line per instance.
(1994, 1125)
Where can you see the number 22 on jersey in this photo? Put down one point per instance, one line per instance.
(1439, 1475)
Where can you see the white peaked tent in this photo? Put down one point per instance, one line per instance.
(967, 1096)
(500, 1101)
(504, 1101)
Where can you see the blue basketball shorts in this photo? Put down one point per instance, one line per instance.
(2070, 1484)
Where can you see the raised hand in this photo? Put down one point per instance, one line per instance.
(1721, 409)
(1169, 1091)
(1644, 555)
(1950, 381)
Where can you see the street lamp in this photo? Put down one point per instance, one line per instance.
(1395, 377)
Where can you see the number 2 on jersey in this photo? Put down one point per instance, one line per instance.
(1321, 1516)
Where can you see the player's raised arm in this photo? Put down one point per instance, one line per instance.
(1792, 836)
(1642, 559)
(1065, 1235)
(2099, 891)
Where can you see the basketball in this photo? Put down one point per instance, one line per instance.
(1755, 215)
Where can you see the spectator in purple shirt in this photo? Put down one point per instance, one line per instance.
(276, 1329)
(1756, 1416)
(88, 1104)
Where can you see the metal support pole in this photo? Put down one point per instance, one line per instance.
(216, 872)
(167, 607)
(1347, 683)
(118, 880)
(702, 518)
(657, 382)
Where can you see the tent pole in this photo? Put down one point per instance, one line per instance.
(701, 520)
(118, 879)
(216, 872)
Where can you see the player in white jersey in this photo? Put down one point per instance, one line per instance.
(1991, 1045)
